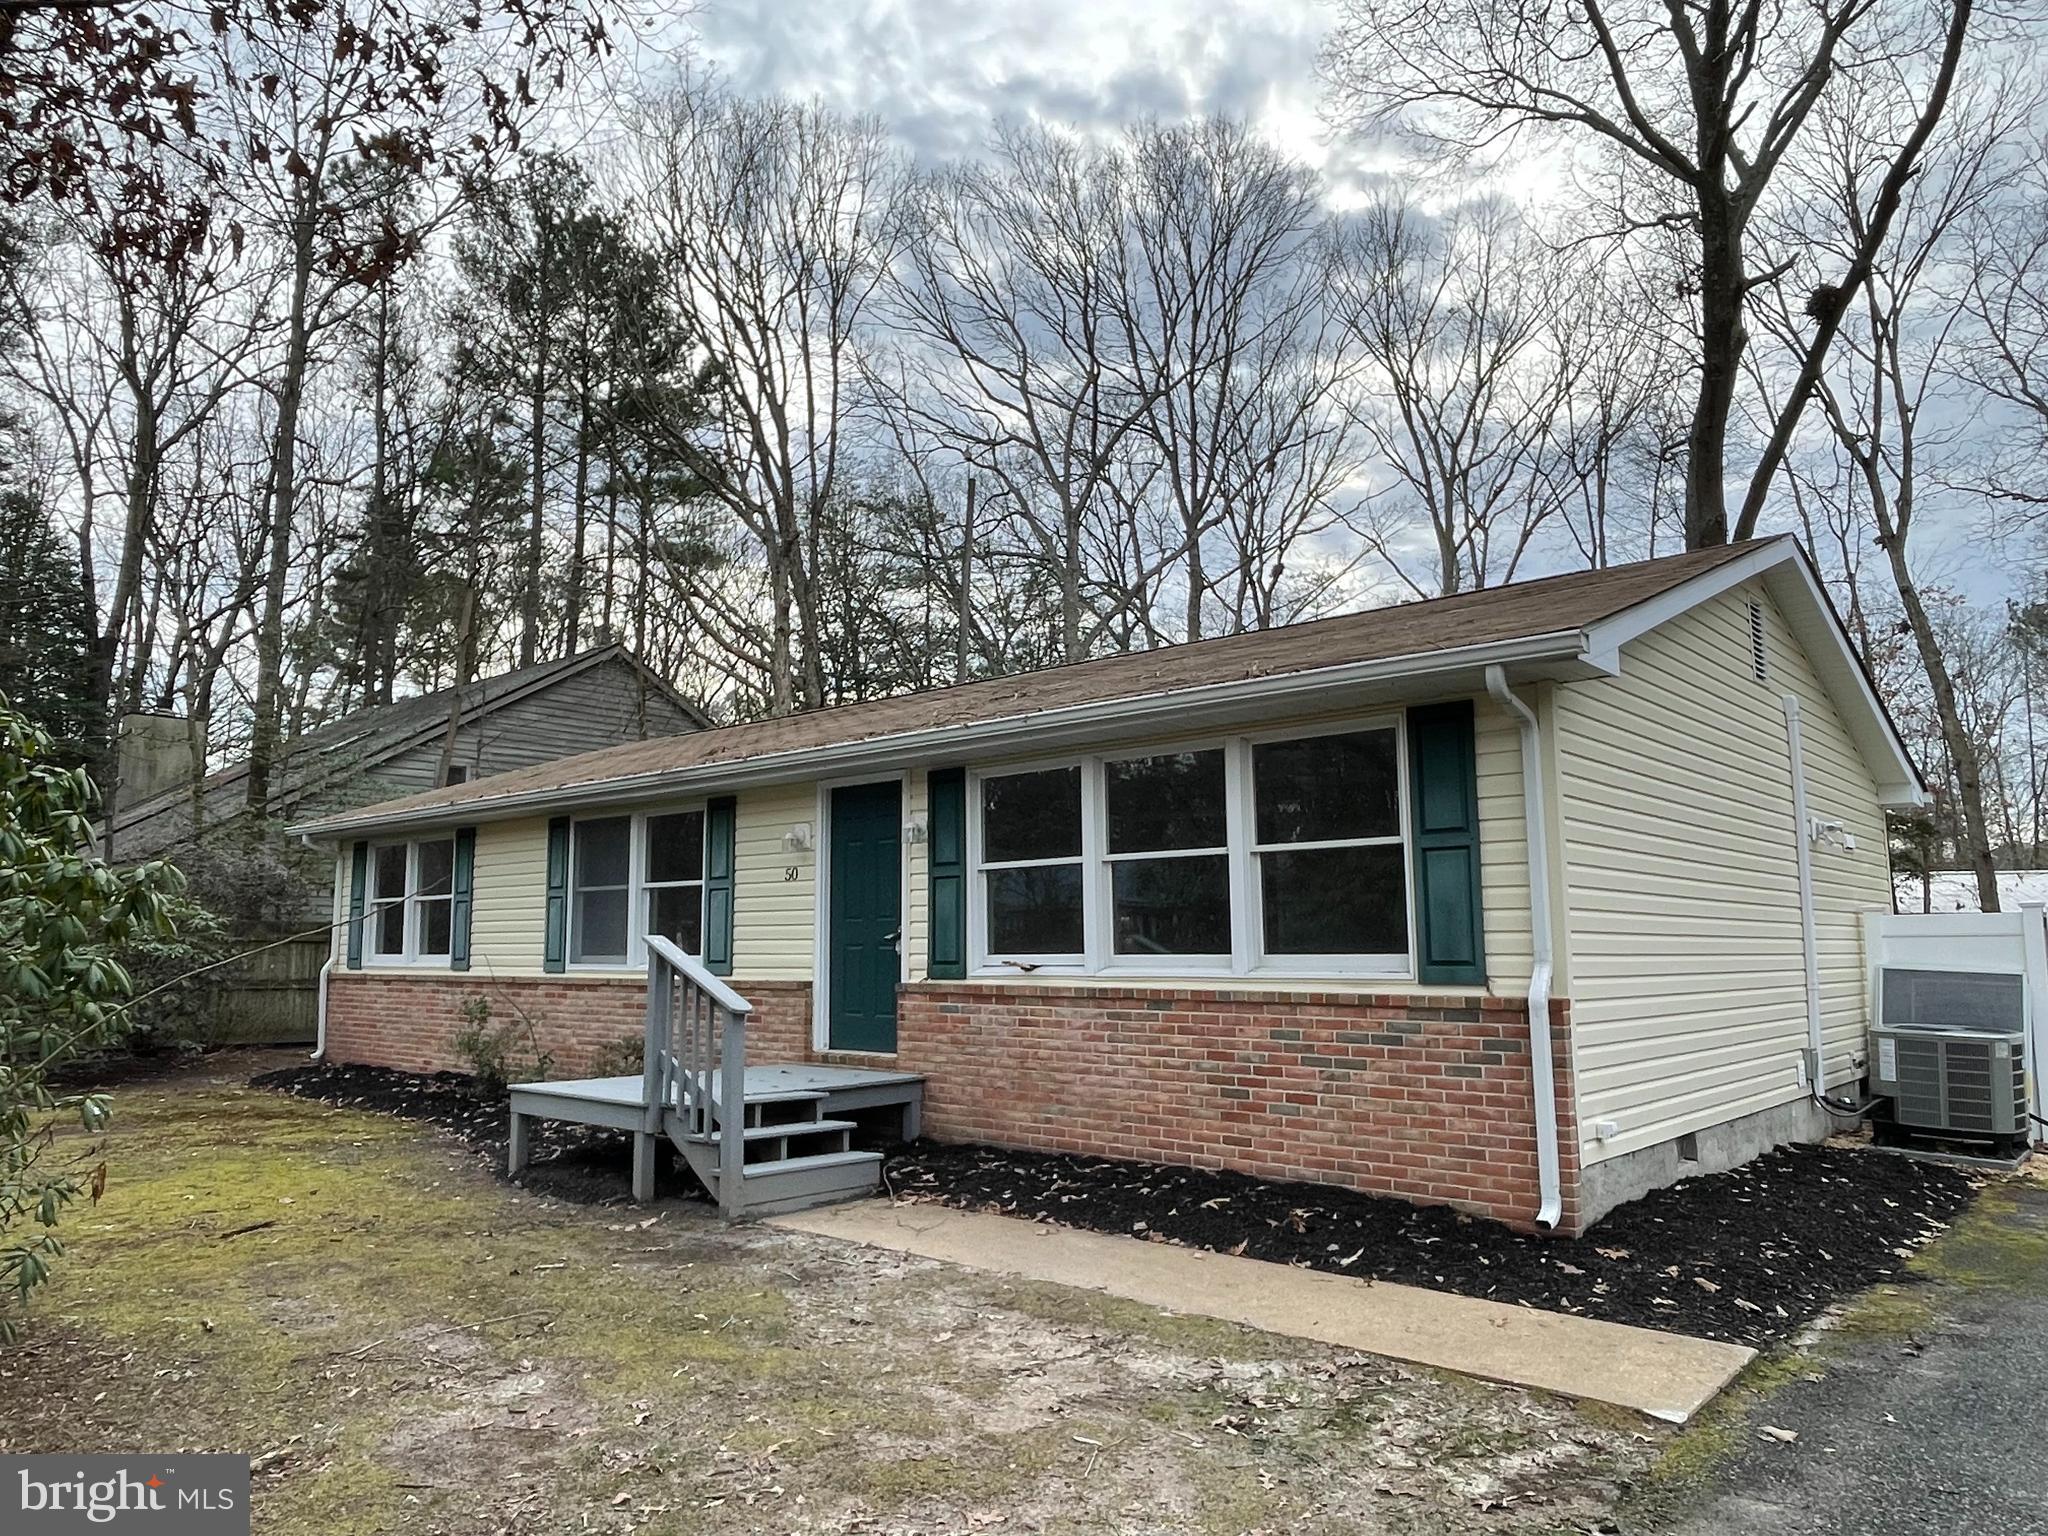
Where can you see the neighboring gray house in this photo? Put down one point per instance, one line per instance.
(601, 698)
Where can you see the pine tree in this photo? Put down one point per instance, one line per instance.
(46, 630)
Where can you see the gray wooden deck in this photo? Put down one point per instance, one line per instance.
(622, 1101)
(791, 1117)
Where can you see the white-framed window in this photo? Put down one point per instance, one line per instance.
(633, 874)
(412, 900)
(1280, 852)
(1329, 851)
(1166, 841)
(1031, 873)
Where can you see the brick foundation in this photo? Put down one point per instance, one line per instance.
(411, 1022)
(1427, 1098)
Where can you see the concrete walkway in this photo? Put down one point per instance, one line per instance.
(1664, 1375)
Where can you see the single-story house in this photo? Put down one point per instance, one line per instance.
(1526, 900)
(516, 719)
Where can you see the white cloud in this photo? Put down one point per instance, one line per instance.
(939, 71)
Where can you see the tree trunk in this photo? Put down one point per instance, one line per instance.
(1723, 338)
(1955, 736)
(537, 464)
(264, 735)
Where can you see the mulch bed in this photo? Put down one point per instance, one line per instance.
(588, 1164)
(1751, 1255)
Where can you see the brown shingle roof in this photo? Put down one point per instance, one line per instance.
(1553, 605)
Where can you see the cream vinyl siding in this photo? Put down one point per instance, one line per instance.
(917, 887)
(1503, 850)
(774, 930)
(775, 920)
(508, 903)
(1681, 878)
(509, 898)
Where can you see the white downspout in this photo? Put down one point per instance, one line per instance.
(326, 966)
(1542, 1079)
(1802, 837)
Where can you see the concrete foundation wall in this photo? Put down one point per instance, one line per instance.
(1717, 1148)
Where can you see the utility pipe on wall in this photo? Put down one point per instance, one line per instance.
(1549, 1186)
(1802, 837)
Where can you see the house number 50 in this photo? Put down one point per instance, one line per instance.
(788, 873)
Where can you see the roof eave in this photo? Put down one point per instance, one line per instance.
(1557, 653)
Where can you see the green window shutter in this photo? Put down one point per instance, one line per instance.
(358, 884)
(946, 871)
(555, 956)
(721, 817)
(1443, 787)
(460, 898)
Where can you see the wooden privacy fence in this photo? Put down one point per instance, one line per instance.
(270, 997)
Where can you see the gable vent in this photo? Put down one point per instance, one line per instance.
(1759, 660)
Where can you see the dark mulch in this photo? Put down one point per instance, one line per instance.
(588, 1164)
(1750, 1255)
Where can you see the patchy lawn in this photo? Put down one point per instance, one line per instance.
(407, 1343)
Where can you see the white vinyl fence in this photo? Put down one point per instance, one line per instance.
(1972, 943)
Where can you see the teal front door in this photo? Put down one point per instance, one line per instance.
(864, 923)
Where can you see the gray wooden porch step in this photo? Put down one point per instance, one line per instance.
(786, 1130)
(789, 1129)
(795, 1183)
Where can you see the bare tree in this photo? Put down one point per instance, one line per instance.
(1702, 104)
(1462, 392)
(774, 222)
(1887, 395)
(1224, 317)
(1013, 285)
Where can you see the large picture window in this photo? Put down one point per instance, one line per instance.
(632, 875)
(412, 890)
(1245, 855)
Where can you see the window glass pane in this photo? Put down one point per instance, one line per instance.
(1335, 901)
(1171, 801)
(675, 847)
(437, 868)
(676, 912)
(1035, 911)
(604, 851)
(434, 918)
(1325, 788)
(1031, 816)
(600, 926)
(390, 871)
(1172, 906)
(390, 929)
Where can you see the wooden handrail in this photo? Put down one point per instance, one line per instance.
(689, 1037)
(693, 968)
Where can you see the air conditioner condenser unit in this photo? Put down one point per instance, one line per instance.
(1952, 1081)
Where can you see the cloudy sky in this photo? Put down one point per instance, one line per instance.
(939, 70)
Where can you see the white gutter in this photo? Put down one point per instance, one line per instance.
(1028, 730)
(1549, 1186)
(1802, 837)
